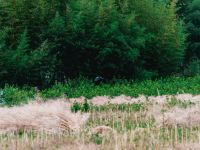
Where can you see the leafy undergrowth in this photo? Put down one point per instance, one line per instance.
(11, 95)
(85, 88)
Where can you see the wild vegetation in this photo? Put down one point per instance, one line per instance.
(46, 41)
(144, 53)
(149, 124)
(12, 95)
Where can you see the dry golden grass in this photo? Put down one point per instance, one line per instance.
(52, 116)
(156, 125)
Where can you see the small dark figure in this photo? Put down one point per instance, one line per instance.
(98, 80)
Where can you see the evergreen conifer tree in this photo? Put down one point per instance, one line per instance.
(193, 28)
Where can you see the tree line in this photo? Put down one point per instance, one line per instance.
(44, 41)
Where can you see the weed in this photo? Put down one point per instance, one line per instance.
(11, 95)
(97, 139)
(182, 104)
(85, 107)
(86, 88)
(76, 107)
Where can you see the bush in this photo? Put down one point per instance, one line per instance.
(193, 68)
(57, 90)
(76, 88)
(166, 86)
(10, 96)
(85, 107)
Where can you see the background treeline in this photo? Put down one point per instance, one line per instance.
(44, 41)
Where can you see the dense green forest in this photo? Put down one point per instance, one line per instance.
(44, 41)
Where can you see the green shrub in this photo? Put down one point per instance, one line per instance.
(82, 87)
(170, 85)
(193, 68)
(97, 139)
(85, 107)
(10, 96)
(76, 107)
(57, 90)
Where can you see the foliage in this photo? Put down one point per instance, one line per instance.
(102, 39)
(10, 95)
(166, 86)
(193, 68)
(22, 64)
(76, 107)
(164, 52)
(46, 41)
(55, 91)
(193, 28)
(77, 88)
(85, 107)
(182, 6)
(97, 139)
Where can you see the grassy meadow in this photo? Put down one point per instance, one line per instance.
(171, 123)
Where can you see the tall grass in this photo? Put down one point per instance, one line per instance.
(131, 129)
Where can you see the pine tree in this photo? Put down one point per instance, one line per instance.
(165, 49)
(3, 69)
(56, 30)
(102, 39)
(182, 6)
(4, 14)
(193, 28)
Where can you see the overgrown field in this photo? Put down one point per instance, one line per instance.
(155, 123)
(11, 95)
(159, 114)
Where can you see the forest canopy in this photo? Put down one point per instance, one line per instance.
(44, 41)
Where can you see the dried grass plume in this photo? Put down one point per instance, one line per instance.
(51, 116)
